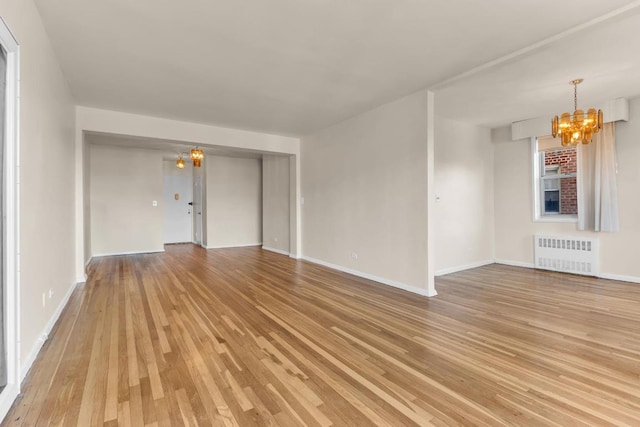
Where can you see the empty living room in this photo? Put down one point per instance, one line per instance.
(320, 213)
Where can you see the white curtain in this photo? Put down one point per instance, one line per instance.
(597, 182)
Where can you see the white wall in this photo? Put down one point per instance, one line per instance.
(124, 182)
(84, 210)
(275, 202)
(47, 205)
(234, 201)
(513, 203)
(464, 184)
(364, 183)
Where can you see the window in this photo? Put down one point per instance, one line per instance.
(9, 309)
(555, 182)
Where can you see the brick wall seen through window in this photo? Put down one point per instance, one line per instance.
(566, 161)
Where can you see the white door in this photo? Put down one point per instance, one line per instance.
(178, 212)
(197, 207)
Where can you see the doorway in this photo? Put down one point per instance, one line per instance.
(178, 203)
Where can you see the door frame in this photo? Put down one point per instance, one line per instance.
(198, 183)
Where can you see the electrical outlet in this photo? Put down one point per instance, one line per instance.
(154, 203)
(354, 255)
(275, 239)
(50, 293)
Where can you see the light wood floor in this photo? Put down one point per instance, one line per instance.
(247, 337)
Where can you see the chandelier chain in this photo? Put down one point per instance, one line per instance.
(575, 96)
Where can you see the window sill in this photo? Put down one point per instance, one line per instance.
(557, 218)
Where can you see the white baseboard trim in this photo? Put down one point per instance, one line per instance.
(7, 397)
(384, 281)
(609, 276)
(463, 267)
(621, 278)
(278, 251)
(128, 253)
(31, 357)
(244, 245)
(514, 263)
(83, 278)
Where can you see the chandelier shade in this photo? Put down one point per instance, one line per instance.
(180, 162)
(577, 127)
(197, 155)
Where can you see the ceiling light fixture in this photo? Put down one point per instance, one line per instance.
(579, 127)
(197, 155)
(180, 162)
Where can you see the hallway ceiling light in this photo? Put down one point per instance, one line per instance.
(180, 162)
(197, 155)
(577, 127)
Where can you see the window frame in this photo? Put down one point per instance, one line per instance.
(11, 194)
(537, 194)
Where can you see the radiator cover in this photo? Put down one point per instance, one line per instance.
(568, 254)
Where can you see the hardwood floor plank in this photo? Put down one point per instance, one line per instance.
(111, 397)
(246, 337)
(91, 387)
(132, 356)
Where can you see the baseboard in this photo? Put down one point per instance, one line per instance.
(463, 267)
(7, 397)
(128, 253)
(278, 251)
(244, 245)
(620, 278)
(608, 276)
(28, 362)
(515, 263)
(83, 278)
(382, 280)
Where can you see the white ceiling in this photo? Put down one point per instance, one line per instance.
(295, 66)
(537, 83)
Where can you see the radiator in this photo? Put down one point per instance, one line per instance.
(567, 254)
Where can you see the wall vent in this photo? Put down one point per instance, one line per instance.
(577, 255)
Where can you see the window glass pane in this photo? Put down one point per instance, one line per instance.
(552, 201)
(551, 184)
(558, 170)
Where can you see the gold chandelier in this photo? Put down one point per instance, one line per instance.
(578, 127)
(197, 155)
(180, 162)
